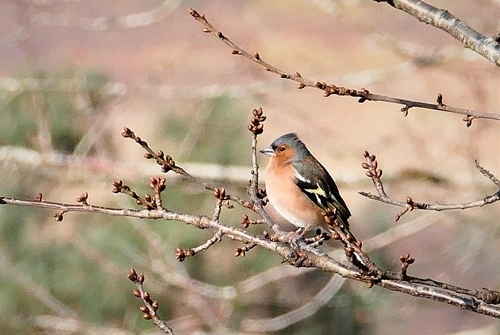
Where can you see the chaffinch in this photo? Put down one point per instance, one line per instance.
(299, 187)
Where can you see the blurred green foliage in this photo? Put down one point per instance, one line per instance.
(21, 109)
(220, 135)
(82, 261)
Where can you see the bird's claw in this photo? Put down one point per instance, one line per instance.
(294, 236)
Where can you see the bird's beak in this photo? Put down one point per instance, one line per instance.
(267, 151)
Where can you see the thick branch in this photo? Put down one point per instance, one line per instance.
(304, 257)
(487, 47)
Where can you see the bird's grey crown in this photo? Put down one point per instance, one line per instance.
(293, 141)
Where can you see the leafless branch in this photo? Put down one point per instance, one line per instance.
(150, 306)
(168, 164)
(182, 254)
(292, 317)
(104, 23)
(299, 255)
(373, 172)
(331, 89)
(303, 257)
(487, 47)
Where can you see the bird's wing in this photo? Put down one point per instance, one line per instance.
(323, 192)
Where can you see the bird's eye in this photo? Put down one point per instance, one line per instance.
(281, 148)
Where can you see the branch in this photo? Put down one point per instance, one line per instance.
(298, 254)
(303, 257)
(373, 172)
(303, 312)
(168, 164)
(487, 47)
(150, 306)
(104, 23)
(331, 89)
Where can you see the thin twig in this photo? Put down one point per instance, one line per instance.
(256, 128)
(168, 164)
(331, 89)
(373, 172)
(150, 306)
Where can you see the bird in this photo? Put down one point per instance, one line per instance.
(299, 187)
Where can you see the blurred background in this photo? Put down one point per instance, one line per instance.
(73, 73)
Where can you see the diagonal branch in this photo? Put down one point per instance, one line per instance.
(306, 257)
(487, 47)
(167, 163)
(331, 89)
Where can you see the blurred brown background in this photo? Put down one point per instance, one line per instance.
(74, 73)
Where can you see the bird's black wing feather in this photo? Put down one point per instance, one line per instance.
(323, 192)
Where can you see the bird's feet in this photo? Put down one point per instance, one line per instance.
(294, 236)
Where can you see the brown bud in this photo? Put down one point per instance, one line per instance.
(245, 221)
(404, 110)
(349, 251)
(439, 99)
(127, 132)
(83, 198)
(59, 216)
(180, 254)
(132, 275)
(136, 293)
(170, 160)
(155, 305)
(193, 13)
(239, 252)
(147, 297)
